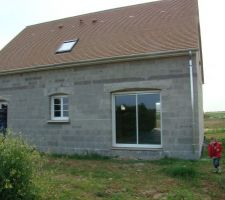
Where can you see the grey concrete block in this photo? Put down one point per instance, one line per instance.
(90, 91)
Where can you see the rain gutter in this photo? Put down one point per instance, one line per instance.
(192, 101)
(107, 60)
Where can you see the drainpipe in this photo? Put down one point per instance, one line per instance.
(192, 101)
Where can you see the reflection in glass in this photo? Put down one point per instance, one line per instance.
(65, 114)
(65, 107)
(126, 119)
(148, 119)
(57, 107)
(57, 101)
(138, 119)
(65, 100)
(57, 113)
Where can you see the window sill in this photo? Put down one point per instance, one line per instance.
(59, 121)
(138, 148)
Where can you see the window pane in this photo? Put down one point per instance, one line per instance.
(149, 119)
(57, 107)
(57, 101)
(126, 119)
(65, 114)
(66, 46)
(65, 100)
(65, 107)
(57, 114)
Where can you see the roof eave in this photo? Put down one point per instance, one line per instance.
(107, 60)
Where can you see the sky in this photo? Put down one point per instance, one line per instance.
(15, 15)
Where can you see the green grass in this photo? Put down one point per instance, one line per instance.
(182, 172)
(86, 156)
(94, 177)
(180, 194)
(215, 131)
(215, 120)
(71, 178)
(214, 115)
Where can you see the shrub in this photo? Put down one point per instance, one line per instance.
(17, 169)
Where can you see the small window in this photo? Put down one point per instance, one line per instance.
(67, 46)
(3, 117)
(59, 108)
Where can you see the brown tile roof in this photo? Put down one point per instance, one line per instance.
(159, 26)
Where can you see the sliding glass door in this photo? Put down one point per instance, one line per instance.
(137, 119)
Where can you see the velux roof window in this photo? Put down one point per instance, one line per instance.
(67, 46)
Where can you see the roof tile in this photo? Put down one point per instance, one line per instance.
(145, 28)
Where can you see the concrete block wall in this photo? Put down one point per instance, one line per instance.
(90, 89)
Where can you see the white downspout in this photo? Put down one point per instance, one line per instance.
(192, 101)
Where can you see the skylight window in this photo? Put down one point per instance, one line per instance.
(67, 46)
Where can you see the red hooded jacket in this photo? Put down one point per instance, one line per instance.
(215, 149)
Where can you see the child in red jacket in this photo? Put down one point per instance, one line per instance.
(215, 152)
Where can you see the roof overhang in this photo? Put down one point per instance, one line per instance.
(108, 60)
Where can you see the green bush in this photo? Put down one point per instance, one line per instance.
(18, 162)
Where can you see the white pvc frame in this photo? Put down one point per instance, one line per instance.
(114, 144)
(3, 103)
(61, 108)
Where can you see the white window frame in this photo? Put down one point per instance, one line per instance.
(149, 146)
(3, 103)
(60, 118)
(63, 48)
